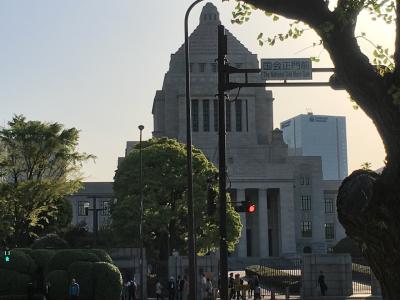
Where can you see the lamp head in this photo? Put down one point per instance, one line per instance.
(141, 127)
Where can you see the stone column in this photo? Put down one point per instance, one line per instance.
(242, 247)
(262, 223)
(287, 221)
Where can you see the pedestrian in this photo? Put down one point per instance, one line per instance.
(158, 290)
(237, 284)
(321, 282)
(231, 286)
(257, 291)
(47, 287)
(180, 283)
(185, 288)
(203, 285)
(171, 288)
(73, 290)
(132, 289)
(209, 289)
(251, 286)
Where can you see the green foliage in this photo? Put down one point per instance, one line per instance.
(50, 241)
(42, 163)
(102, 255)
(108, 281)
(20, 262)
(42, 257)
(13, 282)
(164, 198)
(59, 282)
(366, 166)
(82, 272)
(64, 258)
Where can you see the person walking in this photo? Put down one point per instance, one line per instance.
(185, 288)
(231, 285)
(209, 289)
(257, 291)
(73, 290)
(171, 288)
(180, 283)
(158, 290)
(321, 282)
(132, 289)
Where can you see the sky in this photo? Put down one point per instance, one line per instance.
(96, 64)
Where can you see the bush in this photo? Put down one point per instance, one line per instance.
(82, 272)
(13, 282)
(64, 258)
(59, 282)
(108, 281)
(20, 297)
(102, 255)
(50, 241)
(42, 257)
(19, 262)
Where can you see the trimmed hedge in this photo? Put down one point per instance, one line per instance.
(108, 281)
(13, 283)
(102, 255)
(19, 262)
(64, 258)
(82, 272)
(42, 257)
(51, 240)
(59, 282)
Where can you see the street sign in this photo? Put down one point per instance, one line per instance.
(286, 68)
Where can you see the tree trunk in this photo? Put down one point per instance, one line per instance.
(369, 209)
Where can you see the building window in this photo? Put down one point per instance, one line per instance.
(306, 202)
(195, 115)
(105, 208)
(329, 231)
(215, 115)
(228, 116)
(329, 205)
(304, 180)
(206, 115)
(306, 229)
(238, 111)
(202, 67)
(247, 116)
(214, 67)
(330, 250)
(81, 208)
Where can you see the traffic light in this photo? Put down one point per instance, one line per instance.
(7, 255)
(211, 204)
(246, 206)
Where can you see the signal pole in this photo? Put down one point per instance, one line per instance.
(222, 52)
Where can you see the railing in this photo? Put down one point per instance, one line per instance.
(361, 275)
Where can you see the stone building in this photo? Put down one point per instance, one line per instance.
(295, 212)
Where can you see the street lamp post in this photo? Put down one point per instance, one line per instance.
(141, 127)
(191, 236)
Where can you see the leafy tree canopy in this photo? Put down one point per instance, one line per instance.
(164, 198)
(368, 203)
(39, 167)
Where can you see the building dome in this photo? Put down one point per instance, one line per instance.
(209, 14)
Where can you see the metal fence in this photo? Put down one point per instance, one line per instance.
(361, 275)
(279, 276)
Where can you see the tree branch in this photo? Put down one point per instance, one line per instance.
(312, 12)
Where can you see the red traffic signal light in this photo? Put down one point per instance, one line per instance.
(250, 207)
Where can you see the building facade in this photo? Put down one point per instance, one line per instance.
(319, 135)
(289, 190)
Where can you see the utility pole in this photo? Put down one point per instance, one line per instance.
(222, 52)
(141, 127)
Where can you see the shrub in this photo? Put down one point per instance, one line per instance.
(42, 257)
(64, 258)
(102, 255)
(50, 241)
(19, 262)
(13, 282)
(107, 281)
(82, 272)
(58, 280)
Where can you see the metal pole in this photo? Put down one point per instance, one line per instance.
(141, 127)
(191, 233)
(222, 51)
(95, 220)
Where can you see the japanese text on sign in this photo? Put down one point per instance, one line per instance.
(286, 69)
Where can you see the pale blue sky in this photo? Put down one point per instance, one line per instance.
(96, 64)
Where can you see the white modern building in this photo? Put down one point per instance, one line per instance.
(319, 135)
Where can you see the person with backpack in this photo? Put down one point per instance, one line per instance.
(132, 289)
(73, 290)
